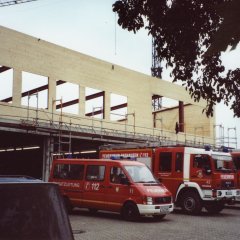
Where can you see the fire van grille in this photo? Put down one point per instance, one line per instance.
(161, 200)
(227, 184)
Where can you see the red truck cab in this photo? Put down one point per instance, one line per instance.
(236, 159)
(197, 177)
(127, 187)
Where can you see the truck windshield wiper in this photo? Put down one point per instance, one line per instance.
(146, 182)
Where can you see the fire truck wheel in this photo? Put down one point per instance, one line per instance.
(68, 205)
(130, 212)
(191, 203)
(214, 208)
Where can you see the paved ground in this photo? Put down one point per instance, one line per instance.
(177, 226)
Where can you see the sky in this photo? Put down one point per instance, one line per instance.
(89, 27)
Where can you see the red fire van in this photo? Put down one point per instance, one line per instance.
(127, 187)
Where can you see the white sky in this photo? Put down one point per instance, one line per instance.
(88, 26)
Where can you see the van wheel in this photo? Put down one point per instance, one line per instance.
(68, 205)
(191, 203)
(92, 210)
(214, 208)
(159, 217)
(130, 212)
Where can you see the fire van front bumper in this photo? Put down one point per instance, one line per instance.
(145, 209)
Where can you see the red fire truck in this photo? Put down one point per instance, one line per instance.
(196, 177)
(236, 159)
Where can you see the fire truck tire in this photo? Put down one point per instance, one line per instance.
(68, 205)
(130, 212)
(214, 208)
(191, 203)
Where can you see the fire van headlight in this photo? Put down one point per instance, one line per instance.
(149, 200)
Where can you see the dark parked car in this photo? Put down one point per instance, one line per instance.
(31, 209)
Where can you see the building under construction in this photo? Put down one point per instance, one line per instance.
(55, 101)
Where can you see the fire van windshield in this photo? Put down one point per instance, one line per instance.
(223, 163)
(141, 174)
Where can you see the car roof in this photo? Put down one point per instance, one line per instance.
(17, 178)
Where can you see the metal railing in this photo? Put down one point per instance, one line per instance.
(45, 121)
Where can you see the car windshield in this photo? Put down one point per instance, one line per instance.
(223, 163)
(140, 174)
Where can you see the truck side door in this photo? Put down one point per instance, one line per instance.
(200, 169)
(164, 168)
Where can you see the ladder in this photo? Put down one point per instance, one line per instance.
(64, 139)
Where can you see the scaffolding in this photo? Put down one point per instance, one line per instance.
(221, 140)
(218, 131)
(64, 131)
(232, 140)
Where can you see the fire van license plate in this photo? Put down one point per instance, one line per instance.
(164, 209)
(229, 193)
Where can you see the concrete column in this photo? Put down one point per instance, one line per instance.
(17, 87)
(181, 116)
(82, 101)
(106, 106)
(48, 143)
(51, 93)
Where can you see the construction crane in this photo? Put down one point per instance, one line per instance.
(156, 71)
(4, 3)
(156, 63)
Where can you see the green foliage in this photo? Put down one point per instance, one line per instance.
(183, 30)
